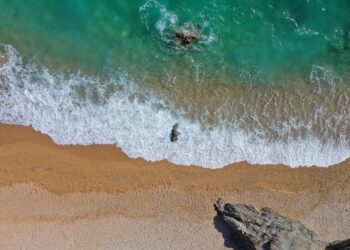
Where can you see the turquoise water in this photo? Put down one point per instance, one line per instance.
(263, 36)
(266, 82)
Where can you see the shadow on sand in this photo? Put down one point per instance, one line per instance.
(225, 231)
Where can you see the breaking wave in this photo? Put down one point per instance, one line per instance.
(79, 109)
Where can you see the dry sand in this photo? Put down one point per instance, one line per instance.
(95, 197)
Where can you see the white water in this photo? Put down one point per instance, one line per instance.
(32, 95)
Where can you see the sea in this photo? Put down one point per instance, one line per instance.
(267, 82)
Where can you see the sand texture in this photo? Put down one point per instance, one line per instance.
(95, 197)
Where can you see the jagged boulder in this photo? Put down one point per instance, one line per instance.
(185, 37)
(265, 229)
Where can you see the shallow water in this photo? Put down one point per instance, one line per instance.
(266, 82)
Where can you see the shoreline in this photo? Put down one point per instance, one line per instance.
(110, 112)
(75, 190)
(28, 150)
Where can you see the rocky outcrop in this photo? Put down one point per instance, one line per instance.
(265, 229)
(175, 133)
(184, 37)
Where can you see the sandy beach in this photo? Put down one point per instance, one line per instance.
(254, 94)
(95, 197)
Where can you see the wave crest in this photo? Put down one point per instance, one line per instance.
(78, 109)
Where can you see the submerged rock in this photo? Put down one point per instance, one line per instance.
(175, 133)
(185, 37)
(265, 229)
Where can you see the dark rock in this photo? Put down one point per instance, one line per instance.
(175, 133)
(185, 37)
(339, 245)
(265, 229)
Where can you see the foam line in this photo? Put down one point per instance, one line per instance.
(51, 103)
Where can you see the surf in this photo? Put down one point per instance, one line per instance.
(138, 122)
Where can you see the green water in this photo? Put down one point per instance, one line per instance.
(266, 82)
(264, 39)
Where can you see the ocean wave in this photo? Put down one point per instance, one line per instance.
(78, 109)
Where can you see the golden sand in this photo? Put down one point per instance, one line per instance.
(74, 191)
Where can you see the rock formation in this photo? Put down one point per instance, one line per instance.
(265, 229)
(175, 133)
(185, 37)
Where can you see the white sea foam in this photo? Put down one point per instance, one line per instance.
(32, 95)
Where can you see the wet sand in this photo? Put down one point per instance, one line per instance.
(95, 197)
